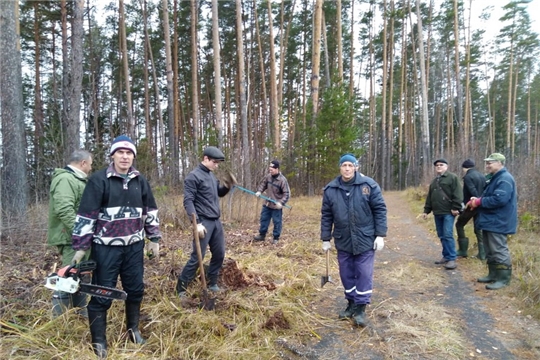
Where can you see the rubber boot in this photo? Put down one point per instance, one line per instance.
(481, 251)
(348, 312)
(79, 301)
(491, 275)
(359, 316)
(60, 303)
(463, 247)
(503, 274)
(181, 288)
(98, 330)
(259, 237)
(133, 312)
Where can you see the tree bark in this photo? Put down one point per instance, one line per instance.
(217, 71)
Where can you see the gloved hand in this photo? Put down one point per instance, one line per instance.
(79, 254)
(230, 180)
(474, 202)
(279, 206)
(201, 230)
(153, 250)
(378, 244)
(258, 194)
(326, 245)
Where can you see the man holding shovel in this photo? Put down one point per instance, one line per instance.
(201, 197)
(354, 214)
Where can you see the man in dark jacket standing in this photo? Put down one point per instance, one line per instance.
(201, 197)
(277, 188)
(473, 185)
(67, 186)
(117, 212)
(497, 217)
(444, 198)
(354, 214)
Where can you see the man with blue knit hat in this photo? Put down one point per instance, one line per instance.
(497, 217)
(277, 188)
(354, 214)
(117, 212)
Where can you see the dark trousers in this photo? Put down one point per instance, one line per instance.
(356, 273)
(126, 261)
(214, 239)
(463, 219)
(275, 215)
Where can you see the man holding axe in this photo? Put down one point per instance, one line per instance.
(354, 214)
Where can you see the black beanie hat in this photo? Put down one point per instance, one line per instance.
(274, 164)
(467, 164)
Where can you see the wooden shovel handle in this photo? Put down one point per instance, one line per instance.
(198, 249)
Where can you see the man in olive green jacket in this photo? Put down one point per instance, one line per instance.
(65, 194)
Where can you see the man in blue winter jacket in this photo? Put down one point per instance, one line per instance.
(354, 214)
(497, 217)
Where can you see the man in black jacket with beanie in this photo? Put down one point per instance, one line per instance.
(473, 185)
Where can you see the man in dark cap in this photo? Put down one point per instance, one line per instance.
(117, 212)
(473, 185)
(202, 191)
(277, 188)
(444, 198)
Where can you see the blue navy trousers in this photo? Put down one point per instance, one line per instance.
(356, 273)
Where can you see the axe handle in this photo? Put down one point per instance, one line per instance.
(261, 196)
(327, 261)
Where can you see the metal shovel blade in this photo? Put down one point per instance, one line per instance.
(326, 278)
(206, 302)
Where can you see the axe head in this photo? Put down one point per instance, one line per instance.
(326, 279)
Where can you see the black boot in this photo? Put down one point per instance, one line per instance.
(79, 301)
(60, 303)
(503, 274)
(259, 237)
(181, 287)
(463, 246)
(481, 251)
(490, 277)
(98, 330)
(348, 312)
(359, 316)
(133, 312)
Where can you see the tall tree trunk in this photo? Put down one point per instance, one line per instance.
(195, 75)
(125, 66)
(38, 105)
(459, 94)
(274, 110)
(246, 161)
(217, 71)
(339, 41)
(426, 155)
(75, 78)
(13, 176)
(383, 174)
(326, 55)
(65, 82)
(147, 121)
(351, 58)
(264, 97)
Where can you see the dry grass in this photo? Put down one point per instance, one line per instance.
(273, 306)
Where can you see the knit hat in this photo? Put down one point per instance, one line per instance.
(123, 142)
(348, 158)
(441, 160)
(274, 164)
(467, 164)
(496, 157)
(213, 152)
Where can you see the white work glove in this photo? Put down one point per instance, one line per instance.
(152, 250)
(201, 230)
(79, 254)
(378, 244)
(326, 245)
(279, 206)
(258, 193)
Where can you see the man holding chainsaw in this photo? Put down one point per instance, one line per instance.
(277, 189)
(201, 197)
(65, 195)
(354, 213)
(117, 212)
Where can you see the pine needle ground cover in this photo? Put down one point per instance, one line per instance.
(272, 305)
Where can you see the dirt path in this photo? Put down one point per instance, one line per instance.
(420, 310)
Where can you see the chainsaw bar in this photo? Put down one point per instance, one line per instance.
(103, 291)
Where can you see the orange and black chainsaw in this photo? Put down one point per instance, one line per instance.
(70, 279)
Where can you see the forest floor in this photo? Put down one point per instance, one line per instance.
(274, 307)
